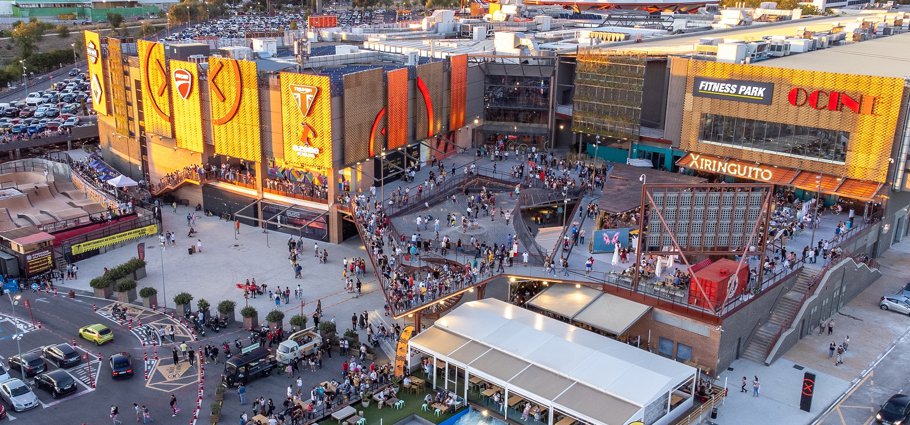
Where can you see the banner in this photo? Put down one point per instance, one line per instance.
(187, 106)
(458, 91)
(118, 88)
(156, 97)
(114, 239)
(97, 88)
(38, 262)
(306, 114)
(605, 240)
(401, 353)
(397, 108)
(234, 100)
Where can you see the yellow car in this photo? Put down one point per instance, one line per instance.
(97, 333)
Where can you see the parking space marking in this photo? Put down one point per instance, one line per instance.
(61, 400)
(165, 376)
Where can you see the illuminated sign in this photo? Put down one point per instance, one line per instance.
(84, 247)
(183, 82)
(91, 52)
(156, 82)
(730, 168)
(306, 151)
(306, 114)
(304, 96)
(97, 92)
(831, 100)
(38, 262)
(96, 76)
(234, 105)
(736, 90)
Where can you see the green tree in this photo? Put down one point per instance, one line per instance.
(147, 29)
(115, 19)
(26, 35)
(63, 31)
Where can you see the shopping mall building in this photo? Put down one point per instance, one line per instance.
(832, 121)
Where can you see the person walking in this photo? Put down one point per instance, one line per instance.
(114, 413)
(840, 356)
(745, 382)
(138, 412)
(146, 415)
(756, 387)
(241, 392)
(174, 409)
(191, 357)
(176, 356)
(830, 326)
(846, 342)
(831, 348)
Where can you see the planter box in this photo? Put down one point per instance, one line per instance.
(139, 274)
(229, 318)
(103, 292)
(150, 302)
(250, 323)
(180, 310)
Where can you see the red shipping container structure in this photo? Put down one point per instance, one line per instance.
(324, 21)
(715, 281)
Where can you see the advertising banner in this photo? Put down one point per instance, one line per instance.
(606, 240)
(187, 106)
(401, 352)
(97, 88)
(736, 90)
(397, 108)
(429, 109)
(364, 115)
(458, 91)
(114, 239)
(156, 97)
(38, 262)
(234, 104)
(118, 88)
(306, 114)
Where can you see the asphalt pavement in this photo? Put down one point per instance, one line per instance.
(39, 82)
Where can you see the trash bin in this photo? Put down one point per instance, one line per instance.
(714, 413)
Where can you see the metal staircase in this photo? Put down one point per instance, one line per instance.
(785, 310)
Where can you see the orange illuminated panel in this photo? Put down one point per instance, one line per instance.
(809, 181)
(431, 113)
(458, 91)
(156, 98)
(118, 88)
(857, 189)
(97, 87)
(187, 106)
(306, 114)
(397, 107)
(234, 100)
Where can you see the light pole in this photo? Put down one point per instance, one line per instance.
(382, 176)
(24, 74)
(18, 336)
(163, 285)
(75, 57)
(818, 181)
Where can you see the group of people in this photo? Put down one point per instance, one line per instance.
(306, 188)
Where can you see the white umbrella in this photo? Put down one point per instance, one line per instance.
(615, 260)
(660, 267)
(122, 181)
(670, 261)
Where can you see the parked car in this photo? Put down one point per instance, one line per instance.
(18, 395)
(896, 303)
(30, 364)
(63, 355)
(57, 382)
(894, 412)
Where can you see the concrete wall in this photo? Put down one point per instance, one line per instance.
(474, 104)
(676, 94)
(653, 96)
(704, 339)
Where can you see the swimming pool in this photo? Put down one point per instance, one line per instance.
(472, 417)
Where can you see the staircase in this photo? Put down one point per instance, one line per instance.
(782, 315)
(158, 190)
(440, 308)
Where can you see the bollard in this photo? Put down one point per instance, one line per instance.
(73, 342)
(94, 308)
(131, 325)
(145, 356)
(39, 324)
(156, 354)
(100, 356)
(55, 291)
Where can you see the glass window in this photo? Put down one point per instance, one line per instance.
(665, 347)
(683, 352)
(792, 140)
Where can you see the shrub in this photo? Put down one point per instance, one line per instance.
(351, 335)
(100, 282)
(147, 292)
(299, 321)
(183, 298)
(203, 304)
(327, 327)
(248, 312)
(226, 307)
(216, 408)
(124, 284)
(274, 316)
(116, 273)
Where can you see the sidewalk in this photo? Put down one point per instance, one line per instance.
(871, 330)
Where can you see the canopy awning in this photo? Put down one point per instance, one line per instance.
(612, 314)
(564, 300)
(122, 181)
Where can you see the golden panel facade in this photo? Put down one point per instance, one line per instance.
(187, 106)
(234, 99)
(97, 86)
(430, 110)
(397, 108)
(156, 96)
(458, 91)
(364, 115)
(864, 106)
(306, 114)
(118, 87)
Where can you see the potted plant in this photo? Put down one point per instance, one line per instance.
(102, 286)
(352, 337)
(327, 332)
(182, 300)
(298, 322)
(250, 318)
(226, 310)
(203, 306)
(136, 267)
(125, 289)
(275, 318)
(219, 393)
(365, 399)
(149, 297)
(216, 412)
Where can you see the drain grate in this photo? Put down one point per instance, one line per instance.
(798, 367)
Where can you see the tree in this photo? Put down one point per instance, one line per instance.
(115, 19)
(63, 31)
(147, 29)
(26, 35)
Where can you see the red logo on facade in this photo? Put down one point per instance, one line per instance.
(183, 82)
(831, 100)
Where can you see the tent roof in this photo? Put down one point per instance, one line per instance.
(591, 307)
(122, 181)
(564, 300)
(540, 356)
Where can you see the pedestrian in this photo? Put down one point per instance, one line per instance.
(138, 412)
(176, 356)
(172, 332)
(174, 407)
(831, 348)
(183, 349)
(846, 342)
(191, 357)
(241, 392)
(821, 326)
(146, 415)
(244, 418)
(742, 388)
(756, 386)
(114, 413)
(840, 356)
(199, 245)
(830, 326)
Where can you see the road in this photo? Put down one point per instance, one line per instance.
(888, 377)
(37, 83)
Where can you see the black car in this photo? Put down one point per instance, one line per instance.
(896, 411)
(121, 365)
(74, 72)
(63, 355)
(30, 363)
(56, 382)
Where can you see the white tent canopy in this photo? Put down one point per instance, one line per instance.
(122, 181)
(599, 379)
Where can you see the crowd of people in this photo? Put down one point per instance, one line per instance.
(292, 188)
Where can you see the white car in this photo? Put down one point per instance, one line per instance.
(896, 303)
(4, 373)
(18, 395)
(33, 101)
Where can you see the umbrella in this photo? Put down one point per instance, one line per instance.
(615, 260)
(660, 267)
(122, 181)
(670, 261)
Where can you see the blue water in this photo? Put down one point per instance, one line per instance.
(472, 417)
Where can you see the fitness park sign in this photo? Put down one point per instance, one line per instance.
(735, 90)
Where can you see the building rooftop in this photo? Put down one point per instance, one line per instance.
(884, 57)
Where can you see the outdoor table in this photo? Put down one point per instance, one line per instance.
(441, 406)
(475, 380)
(515, 399)
(415, 381)
(489, 392)
(343, 414)
(391, 401)
(329, 387)
(566, 421)
(352, 420)
(259, 419)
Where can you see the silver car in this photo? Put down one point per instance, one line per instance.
(18, 395)
(896, 303)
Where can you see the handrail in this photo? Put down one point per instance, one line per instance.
(696, 414)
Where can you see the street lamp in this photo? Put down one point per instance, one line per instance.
(18, 336)
(75, 57)
(163, 285)
(24, 74)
